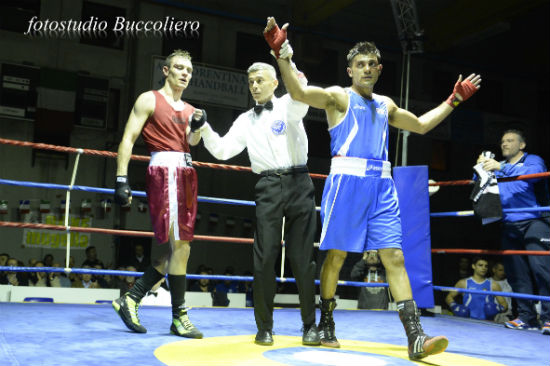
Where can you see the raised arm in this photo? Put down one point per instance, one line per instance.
(406, 120)
(334, 100)
(329, 98)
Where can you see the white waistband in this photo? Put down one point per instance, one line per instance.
(360, 167)
(165, 158)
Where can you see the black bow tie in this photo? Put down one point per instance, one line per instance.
(258, 108)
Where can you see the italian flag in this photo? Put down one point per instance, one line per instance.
(55, 106)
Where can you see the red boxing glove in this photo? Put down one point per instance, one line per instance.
(275, 38)
(465, 88)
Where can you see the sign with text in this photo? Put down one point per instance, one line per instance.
(210, 85)
(53, 239)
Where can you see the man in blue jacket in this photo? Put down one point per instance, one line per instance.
(524, 230)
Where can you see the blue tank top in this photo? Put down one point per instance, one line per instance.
(363, 133)
(476, 302)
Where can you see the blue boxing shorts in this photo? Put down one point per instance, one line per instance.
(359, 209)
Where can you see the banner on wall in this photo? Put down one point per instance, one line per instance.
(210, 84)
(53, 239)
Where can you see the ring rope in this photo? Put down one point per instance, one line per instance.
(110, 154)
(250, 278)
(466, 182)
(495, 293)
(491, 252)
(149, 234)
(505, 210)
(230, 201)
(38, 145)
(80, 151)
(111, 191)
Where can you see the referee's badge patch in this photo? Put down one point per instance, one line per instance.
(278, 127)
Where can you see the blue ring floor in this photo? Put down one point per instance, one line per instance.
(66, 334)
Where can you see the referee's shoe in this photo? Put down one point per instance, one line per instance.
(127, 309)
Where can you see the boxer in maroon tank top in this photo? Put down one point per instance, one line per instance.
(168, 126)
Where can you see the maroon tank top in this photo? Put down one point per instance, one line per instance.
(165, 129)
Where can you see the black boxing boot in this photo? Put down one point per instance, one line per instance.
(326, 324)
(420, 344)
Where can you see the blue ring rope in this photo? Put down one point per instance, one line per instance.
(230, 201)
(250, 278)
(111, 191)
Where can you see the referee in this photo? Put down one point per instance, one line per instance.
(274, 136)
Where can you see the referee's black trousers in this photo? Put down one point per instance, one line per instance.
(291, 196)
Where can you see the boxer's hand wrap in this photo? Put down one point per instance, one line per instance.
(122, 190)
(275, 38)
(465, 88)
(196, 124)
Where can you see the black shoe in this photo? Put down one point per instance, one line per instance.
(264, 338)
(182, 326)
(127, 309)
(310, 335)
(327, 334)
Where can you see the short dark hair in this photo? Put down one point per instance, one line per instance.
(363, 48)
(178, 52)
(479, 258)
(520, 133)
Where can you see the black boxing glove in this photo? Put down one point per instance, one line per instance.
(198, 123)
(123, 193)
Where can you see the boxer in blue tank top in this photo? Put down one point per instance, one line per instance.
(359, 206)
(477, 306)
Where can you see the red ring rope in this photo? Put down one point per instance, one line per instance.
(491, 252)
(226, 239)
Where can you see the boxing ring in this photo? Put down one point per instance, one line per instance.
(42, 332)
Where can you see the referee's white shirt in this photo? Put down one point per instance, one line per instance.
(274, 139)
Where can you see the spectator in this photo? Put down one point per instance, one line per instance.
(64, 280)
(39, 279)
(48, 260)
(14, 278)
(139, 260)
(524, 230)
(4, 258)
(370, 269)
(499, 276)
(223, 288)
(464, 268)
(477, 306)
(118, 280)
(128, 281)
(86, 280)
(102, 280)
(31, 276)
(3, 262)
(91, 257)
(202, 285)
